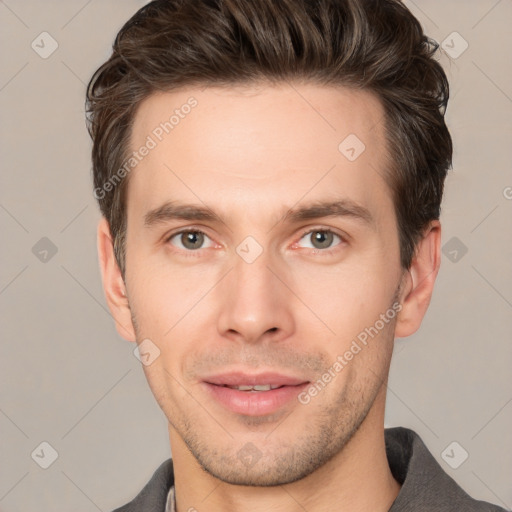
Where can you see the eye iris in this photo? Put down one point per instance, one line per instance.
(192, 240)
(322, 239)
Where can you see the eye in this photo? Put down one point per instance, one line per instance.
(190, 240)
(320, 239)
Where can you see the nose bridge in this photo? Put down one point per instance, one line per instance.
(254, 301)
(253, 281)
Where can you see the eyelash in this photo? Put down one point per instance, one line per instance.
(330, 250)
(185, 252)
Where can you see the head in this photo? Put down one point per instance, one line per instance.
(270, 176)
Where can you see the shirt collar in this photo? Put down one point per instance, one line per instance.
(170, 505)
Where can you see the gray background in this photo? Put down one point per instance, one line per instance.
(68, 379)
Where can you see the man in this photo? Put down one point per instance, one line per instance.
(270, 175)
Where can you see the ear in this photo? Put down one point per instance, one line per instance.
(418, 281)
(113, 283)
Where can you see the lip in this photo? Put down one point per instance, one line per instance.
(253, 403)
(247, 379)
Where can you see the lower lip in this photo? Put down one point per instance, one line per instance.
(254, 403)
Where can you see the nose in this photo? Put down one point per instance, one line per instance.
(254, 303)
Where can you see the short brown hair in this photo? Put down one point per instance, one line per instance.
(375, 45)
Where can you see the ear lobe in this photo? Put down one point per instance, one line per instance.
(418, 281)
(113, 283)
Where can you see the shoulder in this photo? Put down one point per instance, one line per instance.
(153, 497)
(425, 485)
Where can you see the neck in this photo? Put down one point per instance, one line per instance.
(357, 479)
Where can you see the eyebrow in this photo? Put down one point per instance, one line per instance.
(339, 208)
(171, 210)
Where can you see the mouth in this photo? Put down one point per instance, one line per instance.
(260, 387)
(253, 395)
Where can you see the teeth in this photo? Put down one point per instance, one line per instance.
(259, 387)
(263, 387)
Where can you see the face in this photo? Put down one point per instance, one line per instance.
(262, 263)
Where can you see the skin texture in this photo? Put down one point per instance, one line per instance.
(251, 155)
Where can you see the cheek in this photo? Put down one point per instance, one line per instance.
(161, 296)
(348, 298)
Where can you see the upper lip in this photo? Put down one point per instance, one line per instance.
(248, 379)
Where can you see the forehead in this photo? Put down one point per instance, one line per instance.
(258, 146)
